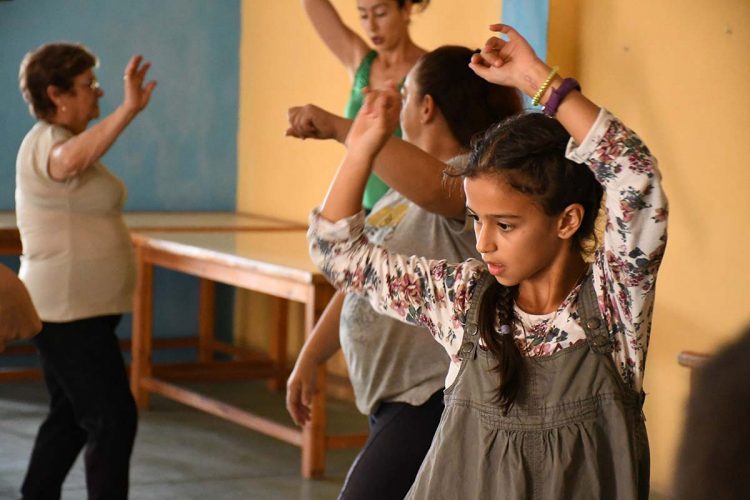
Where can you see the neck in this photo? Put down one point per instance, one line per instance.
(543, 293)
(65, 122)
(439, 142)
(406, 51)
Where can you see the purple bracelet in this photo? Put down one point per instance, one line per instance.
(558, 94)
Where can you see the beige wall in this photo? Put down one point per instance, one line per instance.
(677, 72)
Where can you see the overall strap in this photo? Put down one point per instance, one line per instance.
(591, 318)
(470, 342)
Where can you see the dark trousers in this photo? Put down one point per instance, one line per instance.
(90, 405)
(400, 435)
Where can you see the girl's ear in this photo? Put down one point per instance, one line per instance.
(427, 109)
(570, 220)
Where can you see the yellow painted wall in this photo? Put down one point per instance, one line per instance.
(283, 63)
(677, 72)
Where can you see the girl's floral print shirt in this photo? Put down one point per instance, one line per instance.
(436, 294)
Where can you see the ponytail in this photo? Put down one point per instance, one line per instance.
(496, 325)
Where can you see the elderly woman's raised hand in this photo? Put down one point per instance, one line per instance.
(137, 95)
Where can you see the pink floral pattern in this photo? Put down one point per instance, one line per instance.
(436, 294)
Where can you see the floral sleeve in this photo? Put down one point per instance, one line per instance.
(416, 290)
(634, 237)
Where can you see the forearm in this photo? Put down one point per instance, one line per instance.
(412, 172)
(344, 196)
(324, 339)
(419, 176)
(82, 150)
(576, 112)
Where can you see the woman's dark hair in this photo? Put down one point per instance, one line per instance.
(422, 4)
(469, 103)
(528, 153)
(52, 64)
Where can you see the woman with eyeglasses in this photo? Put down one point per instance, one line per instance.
(78, 266)
(389, 56)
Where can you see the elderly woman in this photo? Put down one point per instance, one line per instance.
(77, 264)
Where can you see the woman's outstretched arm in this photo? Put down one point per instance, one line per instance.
(341, 40)
(80, 151)
(403, 166)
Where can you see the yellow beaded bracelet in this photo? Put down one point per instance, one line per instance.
(544, 87)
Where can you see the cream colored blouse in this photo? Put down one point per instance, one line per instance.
(77, 257)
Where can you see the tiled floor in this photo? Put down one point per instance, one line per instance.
(181, 453)
(184, 454)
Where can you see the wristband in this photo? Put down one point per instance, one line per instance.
(558, 94)
(543, 87)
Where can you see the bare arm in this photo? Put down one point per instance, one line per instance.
(18, 318)
(82, 150)
(345, 44)
(403, 166)
(319, 347)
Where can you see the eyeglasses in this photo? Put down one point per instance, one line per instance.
(93, 85)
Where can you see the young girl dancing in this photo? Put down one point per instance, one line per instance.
(544, 392)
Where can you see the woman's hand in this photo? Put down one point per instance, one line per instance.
(300, 389)
(377, 119)
(137, 95)
(310, 121)
(510, 62)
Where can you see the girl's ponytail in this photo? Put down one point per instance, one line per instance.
(496, 325)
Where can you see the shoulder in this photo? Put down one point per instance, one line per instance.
(45, 134)
(362, 66)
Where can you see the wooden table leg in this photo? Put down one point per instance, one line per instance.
(314, 433)
(277, 347)
(206, 321)
(143, 304)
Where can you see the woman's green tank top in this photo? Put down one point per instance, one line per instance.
(375, 187)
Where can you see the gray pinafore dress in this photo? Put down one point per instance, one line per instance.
(575, 432)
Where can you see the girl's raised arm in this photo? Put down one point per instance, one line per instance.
(513, 63)
(375, 122)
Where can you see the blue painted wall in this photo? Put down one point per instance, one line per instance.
(531, 19)
(181, 152)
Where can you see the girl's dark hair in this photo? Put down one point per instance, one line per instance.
(469, 103)
(51, 64)
(528, 152)
(422, 4)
